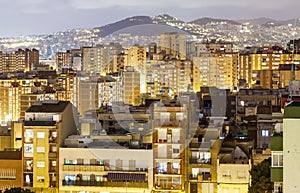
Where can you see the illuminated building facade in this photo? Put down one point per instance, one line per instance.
(46, 126)
(11, 89)
(20, 60)
(173, 44)
(169, 137)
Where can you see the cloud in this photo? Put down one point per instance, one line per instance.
(189, 4)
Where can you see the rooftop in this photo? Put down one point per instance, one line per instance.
(292, 110)
(10, 155)
(48, 106)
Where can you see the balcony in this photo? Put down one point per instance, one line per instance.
(176, 141)
(199, 161)
(195, 145)
(52, 169)
(105, 184)
(168, 187)
(204, 177)
(201, 177)
(27, 184)
(168, 172)
(52, 184)
(52, 154)
(52, 140)
(84, 168)
(159, 123)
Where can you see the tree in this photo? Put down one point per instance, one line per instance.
(17, 190)
(261, 178)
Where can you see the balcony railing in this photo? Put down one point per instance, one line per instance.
(28, 184)
(52, 169)
(170, 172)
(52, 154)
(199, 161)
(84, 168)
(194, 145)
(166, 141)
(159, 123)
(105, 184)
(168, 187)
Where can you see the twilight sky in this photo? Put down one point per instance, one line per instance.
(25, 17)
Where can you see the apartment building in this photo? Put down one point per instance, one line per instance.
(215, 69)
(234, 164)
(46, 126)
(11, 90)
(20, 60)
(169, 145)
(172, 44)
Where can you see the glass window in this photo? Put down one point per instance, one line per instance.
(40, 149)
(277, 159)
(175, 165)
(41, 135)
(99, 178)
(265, 133)
(40, 178)
(53, 163)
(40, 164)
(28, 150)
(28, 134)
(195, 172)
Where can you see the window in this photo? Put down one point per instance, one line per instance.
(164, 116)
(195, 172)
(40, 149)
(265, 133)
(53, 163)
(241, 174)
(40, 178)
(162, 168)
(40, 164)
(41, 135)
(175, 150)
(277, 159)
(99, 178)
(179, 116)
(28, 150)
(29, 165)
(203, 157)
(175, 165)
(70, 162)
(28, 134)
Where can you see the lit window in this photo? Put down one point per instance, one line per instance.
(265, 133)
(195, 172)
(40, 164)
(53, 163)
(241, 174)
(40, 149)
(40, 178)
(175, 165)
(41, 135)
(28, 135)
(28, 150)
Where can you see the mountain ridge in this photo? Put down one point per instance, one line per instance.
(169, 20)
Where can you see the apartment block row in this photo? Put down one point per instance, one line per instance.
(121, 148)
